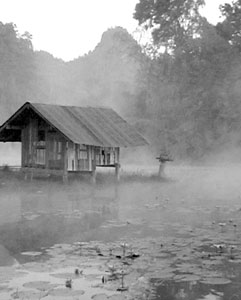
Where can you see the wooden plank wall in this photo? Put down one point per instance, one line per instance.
(71, 157)
(25, 146)
(68, 160)
(29, 136)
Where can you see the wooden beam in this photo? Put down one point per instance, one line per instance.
(14, 127)
(65, 171)
(93, 167)
(47, 148)
(117, 165)
(117, 172)
(22, 149)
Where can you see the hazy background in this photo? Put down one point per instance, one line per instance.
(181, 90)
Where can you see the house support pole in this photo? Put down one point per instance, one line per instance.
(161, 169)
(117, 165)
(65, 173)
(93, 175)
(65, 178)
(117, 172)
(31, 175)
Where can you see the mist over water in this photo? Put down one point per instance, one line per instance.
(183, 228)
(184, 208)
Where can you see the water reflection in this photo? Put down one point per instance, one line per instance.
(173, 229)
(36, 218)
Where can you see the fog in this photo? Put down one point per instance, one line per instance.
(172, 237)
(42, 223)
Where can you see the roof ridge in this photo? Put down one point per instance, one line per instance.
(82, 125)
(63, 105)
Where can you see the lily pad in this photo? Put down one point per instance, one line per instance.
(235, 261)
(117, 297)
(100, 297)
(211, 297)
(5, 288)
(40, 285)
(212, 262)
(31, 253)
(162, 275)
(65, 292)
(188, 277)
(65, 275)
(216, 281)
(93, 277)
(29, 295)
(37, 267)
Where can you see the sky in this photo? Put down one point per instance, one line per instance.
(71, 28)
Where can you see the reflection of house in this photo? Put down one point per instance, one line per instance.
(61, 139)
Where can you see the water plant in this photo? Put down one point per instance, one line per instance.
(68, 283)
(124, 246)
(122, 288)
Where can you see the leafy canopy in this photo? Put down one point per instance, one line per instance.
(170, 21)
(230, 28)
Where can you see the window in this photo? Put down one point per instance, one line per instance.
(105, 156)
(83, 158)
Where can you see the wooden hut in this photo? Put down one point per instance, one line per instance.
(60, 139)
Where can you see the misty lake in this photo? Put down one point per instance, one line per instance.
(143, 238)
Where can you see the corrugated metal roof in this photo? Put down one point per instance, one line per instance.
(95, 126)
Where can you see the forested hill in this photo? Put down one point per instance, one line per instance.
(186, 99)
(106, 76)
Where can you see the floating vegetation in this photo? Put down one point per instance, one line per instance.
(38, 267)
(5, 288)
(65, 275)
(63, 292)
(33, 295)
(78, 272)
(31, 253)
(100, 297)
(175, 245)
(68, 283)
(106, 297)
(40, 285)
(93, 277)
(215, 281)
(186, 277)
(117, 297)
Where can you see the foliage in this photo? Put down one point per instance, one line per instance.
(186, 100)
(171, 22)
(230, 28)
(190, 86)
(16, 65)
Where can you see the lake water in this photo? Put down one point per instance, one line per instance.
(177, 238)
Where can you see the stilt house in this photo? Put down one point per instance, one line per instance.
(59, 139)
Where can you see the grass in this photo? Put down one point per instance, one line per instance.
(7, 172)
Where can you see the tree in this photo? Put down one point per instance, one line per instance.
(189, 88)
(16, 66)
(230, 28)
(170, 21)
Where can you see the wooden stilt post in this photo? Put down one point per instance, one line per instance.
(31, 174)
(163, 158)
(161, 169)
(65, 173)
(93, 175)
(116, 192)
(22, 148)
(117, 172)
(117, 165)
